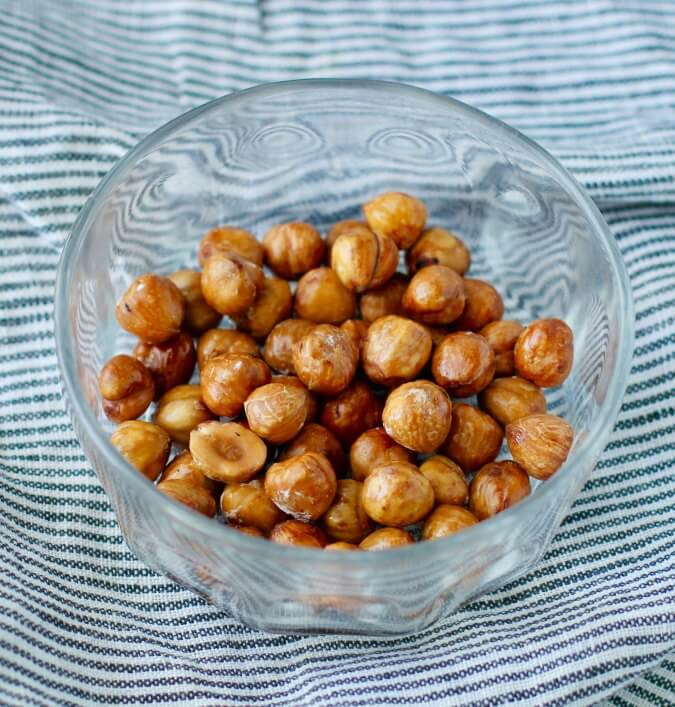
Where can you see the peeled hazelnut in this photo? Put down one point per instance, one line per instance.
(436, 246)
(295, 532)
(447, 520)
(397, 494)
(544, 352)
(502, 336)
(195, 497)
(276, 411)
(171, 362)
(352, 412)
(291, 249)
(346, 519)
(198, 315)
(417, 415)
(278, 351)
(144, 445)
(229, 379)
(228, 239)
(463, 363)
(509, 399)
(127, 388)
(373, 448)
(320, 297)
(383, 300)
(435, 295)
(248, 530)
(230, 283)
(249, 505)
(180, 410)
(338, 546)
(396, 350)
(303, 487)
(356, 330)
(398, 216)
(217, 342)
(447, 480)
(540, 444)
(387, 539)
(183, 467)
(474, 439)
(316, 438)
(363, 259)
(313, 401)
(273, 302)
(496, 487)
(483, 305)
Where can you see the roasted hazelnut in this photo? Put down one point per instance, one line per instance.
(356, 330)
(316, 438)
(544, 352)
(437, 334)
(295, 532)
(417, 415)
(346, 519)
(230, 283)
(496, 487)
(171, 362)
(386, 539)
(540, 443)
(435, 295)
(363, 259)
(249, 505)
(180, 410)
(127, 388)
(436, 246)
(272, 303)
(384, 300)
(337, 229)
(248, 530)
(320, 297)
(313, 401)
(447, 480)
(338, 546)
(217, 342)
(303, 487)
(291, 249)
(474, 439)
(152, 309)
(227, 451)
(463, 363)
(396, 350)
(195, 497)
(144, 445)
(226, 240)
(276, 411)
(447, 520)
(483, 305)
(398, 216)
(352, 412)
(325, 359)
(278, 351)
(502, 336)
(372, 448)
(228, 380)
(397, 494)
(199, 316)
(183, 467)
(509, 399)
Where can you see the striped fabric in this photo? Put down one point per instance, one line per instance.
(81, 620)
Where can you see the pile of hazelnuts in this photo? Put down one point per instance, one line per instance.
(330, 416)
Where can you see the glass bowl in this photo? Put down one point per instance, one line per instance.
(315, 151)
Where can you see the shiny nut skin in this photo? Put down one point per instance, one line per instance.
(352, 412)
(447, 480)
(346, 519)
(199, 317)
(396, 350)
(496, 487)
(397, 494)
(483, 305)
(291, 249)
(398, 216)
(384, 300)
(417, 415)
(316, 438)
(127, 388)
(295, 532)
(509, 399)
(356, 330)
(248, 530)
(502, 336)
(249, 505)
(180, 410)
(447, 520)
(363, 259)
(195, 497)
(337, 229)
(320, 297)
(544, 352)
(474, 439)
(183, 467)
(386, 539)
(273, 303)
(463, 363)
(229, 379)
(373, 448)
(278, 351)
(216, 342)
(436, 246)
(540, 444)
(313, 404)
(303, 487)
(340, 546)
(171, 362)
(276, 411)
(144, 445)
(435, 295)
(230, 283)
(224, 240)
(152, 309)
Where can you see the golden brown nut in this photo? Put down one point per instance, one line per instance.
(228, 380)
(225, 240)
(396, 350)
(496, 487)
(184, 467)
(373, 448)
(152, 309)
(356, 330)
(544, 352)
(387, 539)
(339, 546)
(273, 303)
(463, 363)
(313, 404)
(337, 229)
(316, 438)
(171, 362)
(230, 283)
(437, 334)
(436, 246)
(363, 259)
(249, 505)
(278, 351)
(195, 497)
(384, 300)
(435, 295)
(483, 305)
(325, 359)
(291, 249)
(502, 336)
(398, 216)
(447, 480)
(303, 487)
(447, 520)
(540, 443)
(227, 451)
(295, 532)
(276, 411)
(180, 410)
(320, 297)
(352, 412)
(144, 445)
(509, 399)
(397, 494)
(474, 439)
(346, 519)
(198, 315)
(217, 342)
(417, 415)
(248, 530)
(127, 388)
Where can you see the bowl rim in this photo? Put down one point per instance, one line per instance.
(583, 452)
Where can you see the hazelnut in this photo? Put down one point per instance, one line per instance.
(230, 283)
(291, 249)
(435, 295)
(272, 303)
(540, 443)
(227, 451)
(436, 246)
(397, 494)
(248, 530)
(544, 352)
(437, 334)
(316, 438)
(180, 410)
(509, 399)
(127, 388)
(447, 520)
(372, 448)
(398, 216)
(195, 497)
(386, 539)
(417, 415)
(278, 351)
(362, 259)
(276, 411)
(295, 532)
(474, 439)
(249, 505)
(226, 240)
(171, 362)
(346, 519)
(152, 309)
(217, 342)
(463, 363)
(396, 350)
(183, 467)
(483, 305)
(352, 412)
(313, 401)
(302, 487)
(228, 380)
(320, 297)
(199, 316)
(356, 330)
(496, 487)
(502, 336)
(447, 480)
(144, 445)
(338, 546)
(337, 229)
(384, 300)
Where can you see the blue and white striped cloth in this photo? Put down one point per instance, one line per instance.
(81, 620)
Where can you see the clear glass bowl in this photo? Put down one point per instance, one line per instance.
(314, 151)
